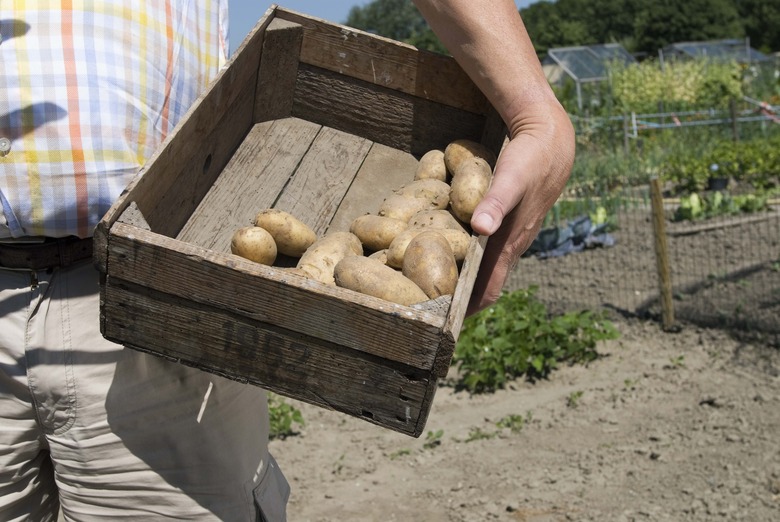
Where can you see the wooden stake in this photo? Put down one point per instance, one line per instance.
(662, 255)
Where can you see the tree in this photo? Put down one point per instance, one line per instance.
(396, 19)
(761, 20)
(648, 25)
(663, 22)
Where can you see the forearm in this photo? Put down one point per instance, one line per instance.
(489, 40)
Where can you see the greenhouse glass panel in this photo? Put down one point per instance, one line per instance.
(589, 63)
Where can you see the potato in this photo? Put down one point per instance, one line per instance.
(377, 232)
(380, 255)
(398, 206)
(435, 192)
(321, 257)
(430, 263)
(255, 244)
(431, 166)
(460, 150)
(469, 186)
(435, 219)
(371, 277)
(291, 235)
(459, 241)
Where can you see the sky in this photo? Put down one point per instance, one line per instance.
(244, 14)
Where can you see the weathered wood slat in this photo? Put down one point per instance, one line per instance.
(460, 301)
(252, 181)
(274, 297)
(397, 66)
(323, 177)
(392, 118)
(384, 170)
(247, 351)
(278, 69)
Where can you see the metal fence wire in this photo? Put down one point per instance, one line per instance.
(607, 253)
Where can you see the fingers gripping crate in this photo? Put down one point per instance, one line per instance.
(321, 121)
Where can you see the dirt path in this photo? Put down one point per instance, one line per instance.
(674, 427)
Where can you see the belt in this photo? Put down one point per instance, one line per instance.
(51, 253)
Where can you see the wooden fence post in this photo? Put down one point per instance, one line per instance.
(662, 255)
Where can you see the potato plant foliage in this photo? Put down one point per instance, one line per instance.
(283, 416)
(518, 337)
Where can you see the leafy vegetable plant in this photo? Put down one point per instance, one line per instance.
(518, 337)
(282, 417)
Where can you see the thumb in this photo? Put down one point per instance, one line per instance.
(506, 190)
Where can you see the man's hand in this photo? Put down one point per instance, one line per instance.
(489, 40)
(530, 175)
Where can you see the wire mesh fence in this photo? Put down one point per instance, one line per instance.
(599, 250)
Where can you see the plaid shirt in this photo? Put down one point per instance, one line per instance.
(88, 90)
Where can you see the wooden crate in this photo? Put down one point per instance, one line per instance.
(322, 121)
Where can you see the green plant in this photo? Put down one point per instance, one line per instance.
(514, 422)
(712, 204)
(573, 400)
(282, 417)
(433, 439)
(517, 336)
(478, 433)
(640, 87)
(400, 453)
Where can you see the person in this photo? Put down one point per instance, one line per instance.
(87, 92)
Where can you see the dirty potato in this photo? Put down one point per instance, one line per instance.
(430, 263)
(460, 150)
(369, 276)
(321, 257)
(377, 232)
(255, 244)
(401, 207)
(431, 166)
(433, 191)
(459, 241)
(291, 235)
(435, 219)
(468, 187)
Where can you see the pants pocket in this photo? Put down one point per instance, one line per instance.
(271, 494)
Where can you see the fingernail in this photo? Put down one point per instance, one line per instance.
(483, 222)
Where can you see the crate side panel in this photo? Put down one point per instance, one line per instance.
(391, 64)
(273, 296)
(198, 170)
(382, 115)
(278, 67)
(384, 171)
(252, 180)
(460, 301)
(322, 179)
(171, 184)
(235, 347)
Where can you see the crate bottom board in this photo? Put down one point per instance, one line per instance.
(379, 391)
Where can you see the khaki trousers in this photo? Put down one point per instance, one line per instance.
(108, 433)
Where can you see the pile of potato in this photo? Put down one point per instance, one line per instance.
(408, 252)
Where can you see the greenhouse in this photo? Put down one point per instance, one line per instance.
(738, 50)
(583, 63)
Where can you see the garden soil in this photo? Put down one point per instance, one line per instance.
(662, 426)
